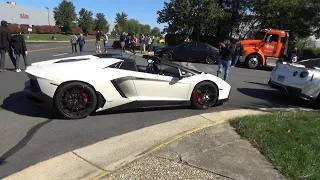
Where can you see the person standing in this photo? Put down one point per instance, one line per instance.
(133, 43)
(19, 48)
(81, 42)
(74, 41)
(5, 38)
(98, 42)
(237, 53)
(123, 41)
(142, 42)
(105, 42)
(225, 61)
(295, 55)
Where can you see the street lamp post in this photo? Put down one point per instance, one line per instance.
(48, 15)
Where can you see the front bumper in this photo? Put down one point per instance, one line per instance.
(291, 91)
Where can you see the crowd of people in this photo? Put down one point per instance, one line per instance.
(15, 45)
(129, 41)
(80, 40)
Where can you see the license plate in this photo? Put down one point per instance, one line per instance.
(280, 78)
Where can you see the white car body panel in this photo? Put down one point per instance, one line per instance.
(135, 85)
(309, 85)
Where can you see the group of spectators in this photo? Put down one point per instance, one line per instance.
(129, 41)
(15, 45)
(80, 40)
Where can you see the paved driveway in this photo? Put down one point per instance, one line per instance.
(28, 134)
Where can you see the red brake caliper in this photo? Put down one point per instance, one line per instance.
(85, 97)
(198, 98)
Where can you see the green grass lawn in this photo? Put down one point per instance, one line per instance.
(47, 37)
(289, 140)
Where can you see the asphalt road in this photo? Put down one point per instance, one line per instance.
(29, 134)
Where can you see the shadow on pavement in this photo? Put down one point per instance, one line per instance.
(18, 104)
(257, 83)
(275, 98)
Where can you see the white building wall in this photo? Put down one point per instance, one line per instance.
(15, 14)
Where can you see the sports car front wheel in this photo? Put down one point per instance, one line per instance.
(204, 95)
(75, 100)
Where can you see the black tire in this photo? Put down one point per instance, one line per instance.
(167, 56)
(203, 100)
(253, 61)
(75, 100)
(211, 59)
(114, 47)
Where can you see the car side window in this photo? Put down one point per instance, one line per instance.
(201, 46)
(128, 65)
(188, 46)
(272, 38)
(167, 70)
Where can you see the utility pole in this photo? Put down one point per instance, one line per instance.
(48, 15)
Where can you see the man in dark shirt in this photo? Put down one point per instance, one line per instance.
(225, 61)
(5, 38)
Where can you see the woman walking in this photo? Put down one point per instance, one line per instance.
(82, 42)
(19, 48)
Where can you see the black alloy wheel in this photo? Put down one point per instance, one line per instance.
(204, 95)
(75, 100)
(211, 59)
(167, 56)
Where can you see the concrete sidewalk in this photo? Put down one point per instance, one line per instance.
(213, 153)
(197, 147)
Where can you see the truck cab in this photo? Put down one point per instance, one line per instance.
(265, 49)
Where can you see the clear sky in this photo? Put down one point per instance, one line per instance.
(145, 11)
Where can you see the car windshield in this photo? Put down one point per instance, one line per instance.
(311, 63)
(259, 35)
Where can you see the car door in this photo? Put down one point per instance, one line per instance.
(270, 46)
(166, 86)
(200, 52)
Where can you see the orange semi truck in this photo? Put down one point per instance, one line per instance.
(265, 49)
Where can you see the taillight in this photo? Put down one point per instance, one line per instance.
(304, 74)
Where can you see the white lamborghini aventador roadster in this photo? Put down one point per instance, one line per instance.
(81, 85)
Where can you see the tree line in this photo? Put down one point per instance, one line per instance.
(66, 18)
(241, 18)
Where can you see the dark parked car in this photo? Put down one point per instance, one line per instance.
(190, 51)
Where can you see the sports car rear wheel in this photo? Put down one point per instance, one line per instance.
(75, 100)
(204, 95)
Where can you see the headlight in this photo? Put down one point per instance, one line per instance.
(304, 74)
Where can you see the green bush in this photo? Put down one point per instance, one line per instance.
(310, 52)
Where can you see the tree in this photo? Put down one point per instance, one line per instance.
(201, 15)
(155, 31)
(64, 15)
(132, 26)
(145, 29)
(101, 24)
(301, 17)
(120, 21)
(85, 20)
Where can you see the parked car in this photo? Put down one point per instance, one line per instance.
(116, 44)
(190, 51)
(115, 81)
(299, 79)
(161, 41)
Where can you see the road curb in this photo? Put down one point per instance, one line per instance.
(88, 161)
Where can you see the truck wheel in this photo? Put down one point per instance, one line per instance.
(253, 61)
